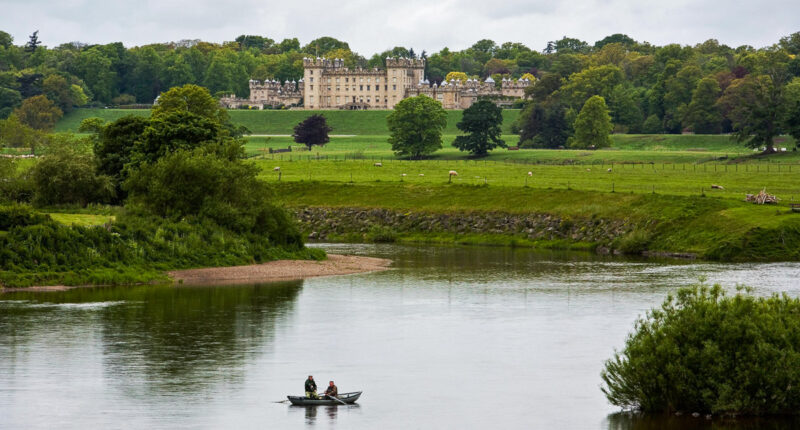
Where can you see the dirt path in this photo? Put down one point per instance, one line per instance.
(281, 270)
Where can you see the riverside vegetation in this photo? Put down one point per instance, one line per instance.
(707, 352)
(188, 200)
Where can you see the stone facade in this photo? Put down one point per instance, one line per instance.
(327, 84)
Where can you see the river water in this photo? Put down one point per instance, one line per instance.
(449, 338)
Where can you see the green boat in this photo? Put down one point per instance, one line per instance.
(346, 398)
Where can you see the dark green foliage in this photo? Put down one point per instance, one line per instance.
(702, 114)
(135, 248)
(114, 146)
(416, 126)
(543, 126)
(312, 131)
(171, 131)
(704, 351)
(19, 216)
(482, 121)
(66, 174)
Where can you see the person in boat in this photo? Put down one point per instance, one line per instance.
(311, 388)
(332, 390)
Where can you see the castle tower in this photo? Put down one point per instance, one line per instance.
(402, 74)
(312, 79)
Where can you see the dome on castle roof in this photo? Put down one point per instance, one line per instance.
(489, 80)
(301, 80)
(426, 81)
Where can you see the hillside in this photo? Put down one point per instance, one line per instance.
(283, 121)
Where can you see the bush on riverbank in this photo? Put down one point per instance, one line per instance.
(37, 250)
(704, 351)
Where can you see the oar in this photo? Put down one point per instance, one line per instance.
(282, 401)
(337, 399)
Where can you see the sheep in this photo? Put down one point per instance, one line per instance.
(530, 173)
(609, 170)
(378, 164)
(717, 187)
(422, 174)
(453, 173)
(277, 168)
(588, 170)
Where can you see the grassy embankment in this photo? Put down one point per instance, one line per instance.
(661, 183)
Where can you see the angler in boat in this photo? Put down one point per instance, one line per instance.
(311, 388)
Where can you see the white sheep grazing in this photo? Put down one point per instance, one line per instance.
(403, 174)
(609, 170)
(422, 174)
(453, 173)
(378, 164)
(588, 170)
(530, 173)
(276, 168)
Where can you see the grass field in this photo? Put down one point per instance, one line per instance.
(625, 149)
(674, 179)
(283, 122)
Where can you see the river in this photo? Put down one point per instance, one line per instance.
(449, 338)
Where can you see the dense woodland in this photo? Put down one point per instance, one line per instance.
(706, 88)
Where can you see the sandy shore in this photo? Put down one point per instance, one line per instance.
(281, 270)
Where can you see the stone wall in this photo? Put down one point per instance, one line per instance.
(321, 223)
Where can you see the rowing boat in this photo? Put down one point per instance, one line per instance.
(348, 398)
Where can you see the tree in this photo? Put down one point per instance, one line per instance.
(193, 184)
(175, 130)
(703, 115)
(312, 131)
(416, 125)
(596, 80)
(114, 144)
(707, 352)
(9, 100)
(66, 174)
(193, 99)
(459, 76)
(791, 110)
(33, 42)
(319, 47)
(753, 105)
(6, 40)
(593, 125)
(39, 112)
(543, 125)
(482, 121)
(15, 134)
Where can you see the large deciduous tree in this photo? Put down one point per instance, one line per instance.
(416, 126)
(312, 131)
(593, 125)
(482, 122)
(703, 115)
(753, 105)
(39, 112)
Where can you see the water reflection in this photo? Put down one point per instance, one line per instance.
(632, 421)
(162, 338)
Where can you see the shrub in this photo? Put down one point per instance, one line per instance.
(704, 351)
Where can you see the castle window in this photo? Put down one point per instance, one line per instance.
(312, 87)
(337, 99)
(312, 72)
(377, 80)
(329, 88)
(337, 80)
(362, 80)
(337, 88)
(367, 87)
(394, 87)
(361, 87)
(386, 88)
(393, 79)
(310, 79)
(346, 80)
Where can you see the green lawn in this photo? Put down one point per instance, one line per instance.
(84, 220)
(675, 179)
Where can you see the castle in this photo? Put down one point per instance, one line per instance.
(327, 84)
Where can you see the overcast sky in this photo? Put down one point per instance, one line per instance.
(371, 26)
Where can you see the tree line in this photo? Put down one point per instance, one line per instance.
(705, 88)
